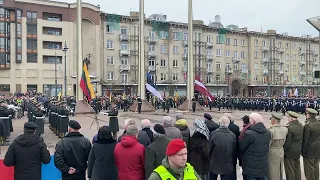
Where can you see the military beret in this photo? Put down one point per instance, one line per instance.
(30, 125)
(293, 114)
(311, 111)
(74, 124)
(276, 116)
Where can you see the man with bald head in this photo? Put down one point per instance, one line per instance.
(255, 148)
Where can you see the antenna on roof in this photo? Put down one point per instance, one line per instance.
(261, 28)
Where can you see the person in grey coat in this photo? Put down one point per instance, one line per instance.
(156, 151)
(171, 131)
(222, 151)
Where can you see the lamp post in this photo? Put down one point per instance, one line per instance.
(65, 49)
(155, 74)
(55, 73)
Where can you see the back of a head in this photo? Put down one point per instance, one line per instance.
(167, 120)
(179, 116)
(104, 133)
(224, 121)
(255, 118)
(132, 130)
(145, 123)
(129, 122)
(228, 115)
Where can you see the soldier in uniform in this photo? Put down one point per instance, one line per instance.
(113, 121)
(310, 145)
(139, 104)
(292, 147)
(194, 104)
(276, 153)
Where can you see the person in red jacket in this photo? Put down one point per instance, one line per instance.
(129, 156)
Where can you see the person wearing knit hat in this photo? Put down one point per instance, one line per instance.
(174, 165)
(210, 123)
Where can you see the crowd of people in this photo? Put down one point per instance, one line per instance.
(173, 150)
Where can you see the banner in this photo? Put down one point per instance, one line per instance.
(153, 91)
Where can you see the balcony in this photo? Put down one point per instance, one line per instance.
(302, 52)
(185, 69)
(185, 56)
(264, 48)
(124, 52)
(314, 53)
(124, 68)
(209, 57)
(245, 71)
(302, 73)
(281, 50)
(265, 71)
(151, 68)
(228, 71)
(152, 54)
(302, 63)
(209, 70)
(152, 40)
(236, 59)
(209, 44)
(280, 72)
(184, 43)
(281, 61)
(265, 60)
(124, 37)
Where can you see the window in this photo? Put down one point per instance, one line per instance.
(243, 42)
(209, 65)
(242, 54)
(294, 57)
(52, 59)
(109, 28)
(163, 35)
(175, 77)
(236, 66)
(228, 67)
(124, 78)
(235, 54)
(54, 18)
(218, 52)
(163, 49)
(32, 58)
(287, 57)
(31, 29)
(208, 38)
(19, 14)
(185, 64)
(218, 65)
(2, 12)
(256, 42)
(185, 50)
(264, 54)
(124, 61)
(218, 40)
(175, 49)
(175, 35)
(152, 48)
(151, 34)
(163, 63)
(19, 45)
(52, 45)
(124, 46)
(264, 44)
(243, 66)
(31, 17)
(163, 76)
(1, 1)
(218, 78)
(110, 60)
(2, 43)
(208, 79)
(19, 58)
(174, 63)
(227, 53)
(152, 62)
(109, 44)
(55, 32)
(2, 27)
(124, 31)
(209, 52)
(109, 75)
(235, 42)
(18, 29)
(294, 67)
(185, 36)
(256, 54)
(287, 45)
(32, 44)
(50, 89)
(279, 44)
(5, 87)
(256, 66)
(227, 41)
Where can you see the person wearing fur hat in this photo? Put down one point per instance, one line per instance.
(174, 165)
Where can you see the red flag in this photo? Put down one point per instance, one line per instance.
(201, 88)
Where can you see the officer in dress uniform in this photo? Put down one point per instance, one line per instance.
(276, 152)
(139, 104)
(310, 145)
(194, 104)
(113, 121)
(292, 147)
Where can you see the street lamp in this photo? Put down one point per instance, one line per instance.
(65, 49)
(55, 73)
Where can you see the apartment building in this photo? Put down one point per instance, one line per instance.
(237, 62)
(33, 37)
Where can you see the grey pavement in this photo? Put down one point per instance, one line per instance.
(154, 117)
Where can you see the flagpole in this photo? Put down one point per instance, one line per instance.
(79, 50)
(142, 75)
(190, 77)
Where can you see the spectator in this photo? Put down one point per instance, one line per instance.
(171, 131)
(101, 163)
(145, 126)
(210, 123)
(129, 156)
(246, 125)
(182, 125)
(142, 135)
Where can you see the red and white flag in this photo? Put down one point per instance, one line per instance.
(201, 88)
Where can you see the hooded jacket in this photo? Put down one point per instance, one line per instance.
(255, 148)
(27, 165)
(181, 124)
(129, 157)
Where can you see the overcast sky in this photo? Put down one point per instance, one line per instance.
(281, 15)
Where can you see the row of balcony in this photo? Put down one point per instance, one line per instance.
(281, 72)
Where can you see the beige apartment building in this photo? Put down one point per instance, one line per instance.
(33, 35)
(240, 62)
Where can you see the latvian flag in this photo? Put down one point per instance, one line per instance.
(85, 83)
(201, 88)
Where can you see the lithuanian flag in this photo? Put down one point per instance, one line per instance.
(85, 83)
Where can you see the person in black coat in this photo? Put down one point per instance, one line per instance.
(72, 153)
(26, 153)
(101, 163)
(210, 123)
(255, 148)
(145, 126)
(113, 121)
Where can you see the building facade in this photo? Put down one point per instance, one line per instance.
(33, 35)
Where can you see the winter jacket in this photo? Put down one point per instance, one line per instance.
(311, 139)
(211, 125)
(101, 163)
(143, 138)
(155, 153)
(172, 132)
(149, 132)
(185, 131)
(222, 151)
(26, 153)
(72, 151)
(129, 157)
(198, 153)
(255, 148)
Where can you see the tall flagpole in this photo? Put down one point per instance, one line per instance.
(79, 50)
(190, 81)
(142, 76)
